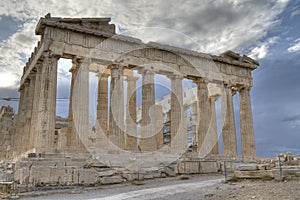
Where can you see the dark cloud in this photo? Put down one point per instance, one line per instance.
(294, 118)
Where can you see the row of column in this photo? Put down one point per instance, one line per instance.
(207, 137)
(246, 123)
(37, 112)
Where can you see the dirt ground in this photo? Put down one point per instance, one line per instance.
(241, 190)
(257, 189)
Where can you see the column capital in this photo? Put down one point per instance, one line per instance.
(115, 65)
(32, 74)
(200, 80)
(50, 54)
(175, 76)
(148, 72)
(245, 87)
(21, 89)
(26, 82)
(75, 63)
(115, 70)
(38, 67)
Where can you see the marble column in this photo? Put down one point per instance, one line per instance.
(246, 121)
(80, 106)
(130, 123)
(73, 141)
(116, 115)
(28, 114)
(147, 136)
(35, 108)
(228, 129)
(194, 125)
(204, 117)
(213, 131)
(177, 112)
(102, 102)
(21, 120)
(47, 105)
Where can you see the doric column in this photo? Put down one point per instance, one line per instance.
(21, 120)
(116, 115)
(130, 123)
(80, 106)
(246, 121)
(35, 108)
(213, 131)
(147, 140)
(47, 105)
(72, 136)
(17, 136)
(194, 124)
(28, 113)
(204, 118)
(177, 112)
(228, 129)
(102, 102)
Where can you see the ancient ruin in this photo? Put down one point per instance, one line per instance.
(45, 153)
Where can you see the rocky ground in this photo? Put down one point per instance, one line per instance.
(257, 189)
(205, 187)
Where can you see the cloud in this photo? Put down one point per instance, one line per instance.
(293, 121)
(262, 50)
(295, 47)
(7, 79)
(295, 12)
(208, 26)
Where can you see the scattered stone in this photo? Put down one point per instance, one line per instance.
(111, 180)
(209, 195)
(109, 172)
(247, 167)
(169, 172)
(184, 177)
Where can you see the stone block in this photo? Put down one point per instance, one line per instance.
(169, 172)
(131, 176)
(39, 175)
(61, 175)
(106, 172)
(258, 174)
(4, 176)
(85, 176)
(111, 180)
(247, 167)
(188, 167)
(208, 167)
(156, 174)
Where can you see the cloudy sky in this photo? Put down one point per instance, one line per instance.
(268, 31)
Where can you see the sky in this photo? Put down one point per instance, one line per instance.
(268, 31)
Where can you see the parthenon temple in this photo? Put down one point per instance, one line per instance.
(185, 120)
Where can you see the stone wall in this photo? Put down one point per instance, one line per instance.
(7, 129)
